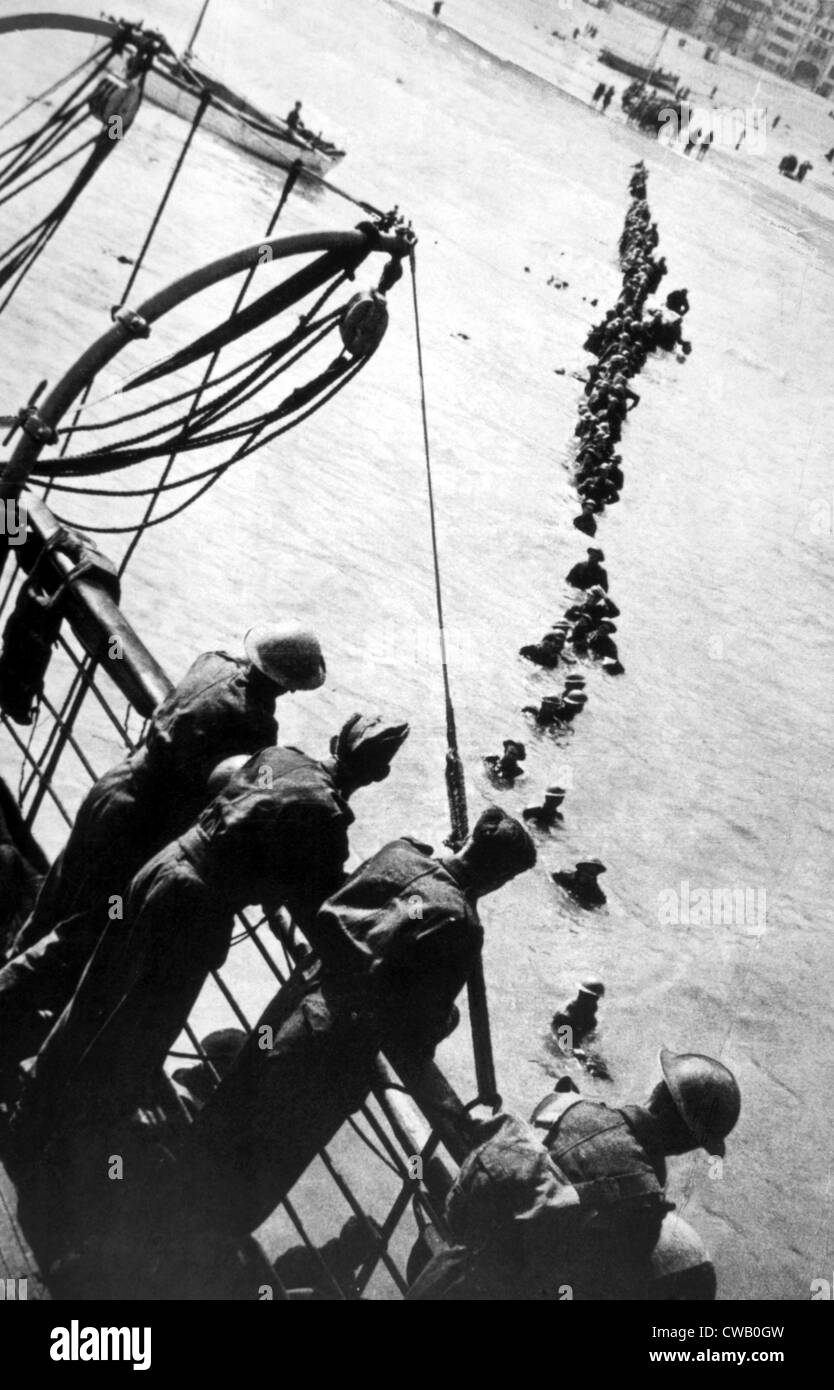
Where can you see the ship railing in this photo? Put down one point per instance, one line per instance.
(393, 1161)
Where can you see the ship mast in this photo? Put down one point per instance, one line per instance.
(189, 46)
(672, 15)
(655, 62)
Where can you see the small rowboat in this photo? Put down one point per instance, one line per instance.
(179, 86)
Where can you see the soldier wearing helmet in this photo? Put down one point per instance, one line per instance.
(588, 572)
(579, 1013)
(596, 605)
(557, 711)
(275, 834)
(280, 820)
(549, 814)
(583, 882)
(577, 1197)
(586, 522)
(600, 641)
(549, 652)
(224, 705)
(397, 943)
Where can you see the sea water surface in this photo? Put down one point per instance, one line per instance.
(708, 764)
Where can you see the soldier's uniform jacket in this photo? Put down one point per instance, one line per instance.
(138, 806)
(280, 837)
(396, 943)
(153, 796)
(613, 1160)
(585, 573)
(575, 1199)
(212, 714)
(281, 825)
(400, 936)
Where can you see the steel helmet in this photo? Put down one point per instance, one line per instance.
(367, 743)
(221, 775)
(706, 1094)
(287, 653)
(591, 984)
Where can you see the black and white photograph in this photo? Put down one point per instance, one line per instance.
(416, 655)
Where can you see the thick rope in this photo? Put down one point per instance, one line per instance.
(250, 445)
(120, 420)
(455, 784)
(50, 168)
(181, 158)
(196, 436)
(16, 261)
(198, 116)
(148, 519)
(54, 129)
(47, 91)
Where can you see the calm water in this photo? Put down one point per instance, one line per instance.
(709, 763)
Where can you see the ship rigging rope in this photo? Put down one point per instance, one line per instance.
(307, 321)
(31, 148)
(193, 433)
(50, 168)
(301, 403)
(47, 91)
(190, 430)
(455, 783)
(243, 452)
(265, 356)
(174, 175)
(208, 372)
(155, 220)
(25, 164)
(32, 155)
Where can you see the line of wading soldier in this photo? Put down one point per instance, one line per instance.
(620, 344)
(210, 815)
(572, 1203)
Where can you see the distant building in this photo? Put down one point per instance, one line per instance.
(799, 44)
(736, 26)
(794, 38)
